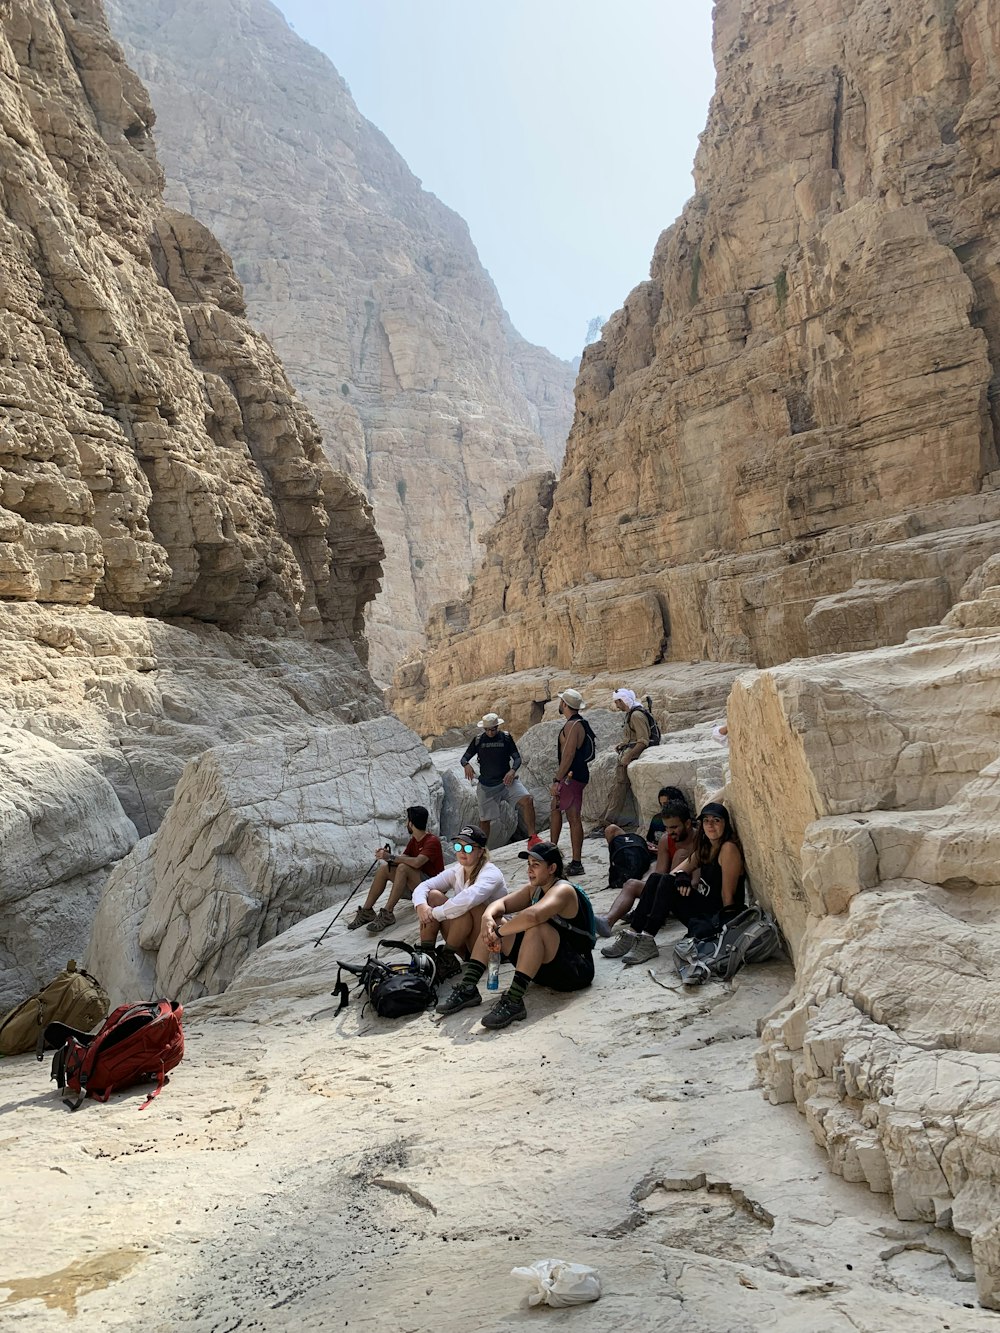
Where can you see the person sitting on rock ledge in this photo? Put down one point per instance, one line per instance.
(499, 760)
(422, 857)
(675, 842)
(575, 740)
(704, 890)
(474, 881)
(544, 929)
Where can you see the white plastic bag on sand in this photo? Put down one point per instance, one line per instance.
(558, 1282)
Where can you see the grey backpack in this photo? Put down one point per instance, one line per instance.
(750, 937)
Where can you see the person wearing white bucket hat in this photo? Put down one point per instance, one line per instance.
(575, 747)
(499, 759)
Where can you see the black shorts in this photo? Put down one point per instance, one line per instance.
(571, 969)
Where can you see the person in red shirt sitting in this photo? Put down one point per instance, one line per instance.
(675, 842)
(421, 859)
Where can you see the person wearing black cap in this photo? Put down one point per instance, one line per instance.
(710, 886)
(545, 929)
(473, 882)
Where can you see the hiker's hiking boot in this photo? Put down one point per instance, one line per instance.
(533, 841)
(620, 945)
(575, 868)
(504, 1012)
(361, 918)
(644, 949)
(382, 919)
(459, 997)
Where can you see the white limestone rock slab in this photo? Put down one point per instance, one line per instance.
(61, 829)
(258, 837)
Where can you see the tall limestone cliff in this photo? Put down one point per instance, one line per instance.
(180, 565)
(369, 287)
(786, 441)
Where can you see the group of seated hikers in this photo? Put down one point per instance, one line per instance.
(547, 928)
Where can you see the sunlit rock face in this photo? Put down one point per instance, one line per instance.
(370, 288)
(867, 789)
(785, 442)
(180, 565)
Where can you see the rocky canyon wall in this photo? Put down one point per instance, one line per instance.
(369, 287)
(785, 442)
(180, 565)
(868, 793)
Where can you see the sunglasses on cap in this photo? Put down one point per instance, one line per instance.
(465, 847)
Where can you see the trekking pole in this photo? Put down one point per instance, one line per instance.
(386, 848)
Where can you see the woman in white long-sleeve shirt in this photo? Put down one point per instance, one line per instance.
(473, 882)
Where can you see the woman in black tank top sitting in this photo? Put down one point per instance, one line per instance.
(709, 886)
(545, 929)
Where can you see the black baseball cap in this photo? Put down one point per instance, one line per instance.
(470, 834)
(543, 851)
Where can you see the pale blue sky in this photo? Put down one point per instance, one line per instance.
(563, 131)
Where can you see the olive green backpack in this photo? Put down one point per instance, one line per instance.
(74, 998)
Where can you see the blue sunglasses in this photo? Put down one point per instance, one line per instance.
(466, 847)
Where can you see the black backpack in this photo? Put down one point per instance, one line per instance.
(647, 711)
(589, 747)
(629, 858)
(393, 989)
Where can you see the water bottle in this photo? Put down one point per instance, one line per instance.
(493, 971)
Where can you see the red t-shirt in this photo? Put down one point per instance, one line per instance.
(429, 846)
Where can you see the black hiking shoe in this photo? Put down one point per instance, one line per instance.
(460, 997)
(504, 1012)
(575, 868)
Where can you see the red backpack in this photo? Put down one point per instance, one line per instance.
(136, 1043)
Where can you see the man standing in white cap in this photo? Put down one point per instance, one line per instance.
(499, 760)
(576, 746)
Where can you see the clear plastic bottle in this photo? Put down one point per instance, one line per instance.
(493, 971)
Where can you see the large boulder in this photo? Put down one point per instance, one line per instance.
(61, 829)
(692, 760)
(259, 836)
(867, 791)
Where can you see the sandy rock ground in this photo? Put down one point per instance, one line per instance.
(312, 1171)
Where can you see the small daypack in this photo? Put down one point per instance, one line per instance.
(589, 747)
(138, 1042)
(752, 936)
(628, 858)
(393, 989)
(74, 998)
(647, 712)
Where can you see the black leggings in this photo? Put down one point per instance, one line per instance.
(661, 899)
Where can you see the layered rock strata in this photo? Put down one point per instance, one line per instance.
(370, 288)
(867, 790)
(180, 565)
(785, 442)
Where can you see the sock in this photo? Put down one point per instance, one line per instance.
(516, 989)
(471, 973)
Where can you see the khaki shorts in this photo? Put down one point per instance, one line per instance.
(492, 798)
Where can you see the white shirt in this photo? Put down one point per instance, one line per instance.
(489, 886)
